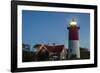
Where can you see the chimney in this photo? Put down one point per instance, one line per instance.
(54, 44)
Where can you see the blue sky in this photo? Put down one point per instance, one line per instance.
(51, 27)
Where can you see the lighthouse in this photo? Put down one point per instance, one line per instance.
(73, 42)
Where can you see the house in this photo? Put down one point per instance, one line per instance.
(50, 52)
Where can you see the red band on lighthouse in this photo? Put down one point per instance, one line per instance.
(73, 33)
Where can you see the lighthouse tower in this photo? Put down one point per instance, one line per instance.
(73, 42)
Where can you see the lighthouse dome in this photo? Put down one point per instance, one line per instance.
(73, 22)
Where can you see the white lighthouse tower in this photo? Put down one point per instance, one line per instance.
(73, 43)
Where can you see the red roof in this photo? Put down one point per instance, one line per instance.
(55, 49)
